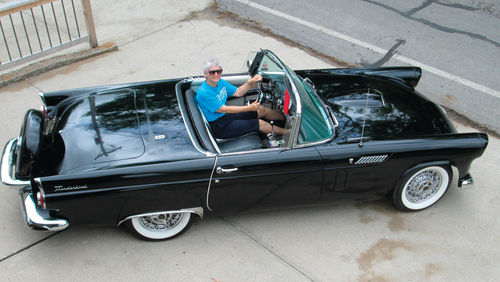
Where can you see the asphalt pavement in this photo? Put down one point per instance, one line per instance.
(454, 240)
(456, 43)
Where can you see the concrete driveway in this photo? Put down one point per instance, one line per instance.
(457, 239)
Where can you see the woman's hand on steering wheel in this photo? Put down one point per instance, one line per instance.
(255, 106)
(255, 79)
(261, 97)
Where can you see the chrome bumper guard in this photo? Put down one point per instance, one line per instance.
(38, 218)
(465, 182)
(35, 217)
(8, 165)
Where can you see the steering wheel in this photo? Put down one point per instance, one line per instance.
(261, 93)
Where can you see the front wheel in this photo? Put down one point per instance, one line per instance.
(421, 188)
(161, 226)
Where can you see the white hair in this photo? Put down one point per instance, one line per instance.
(210, 63)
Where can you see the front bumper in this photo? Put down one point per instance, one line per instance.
(38, 218)
(465, 182)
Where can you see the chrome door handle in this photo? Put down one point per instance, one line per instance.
(221, 170)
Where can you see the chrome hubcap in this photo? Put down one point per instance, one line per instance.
(423, 186)
(160, 222)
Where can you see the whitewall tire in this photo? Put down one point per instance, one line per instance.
(422, 187)
(161, 226)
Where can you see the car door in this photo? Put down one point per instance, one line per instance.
(265, 179)
(370, 169)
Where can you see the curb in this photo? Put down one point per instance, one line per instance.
(54, 63)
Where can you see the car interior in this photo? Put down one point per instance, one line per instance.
(275, 91)
(246, 142)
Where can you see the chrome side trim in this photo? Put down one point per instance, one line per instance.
(253, 151)
(8, 164)
(212, 140)
(178, 94)
(38, 218)
(316, 143)
(197, 210)
(210, 182)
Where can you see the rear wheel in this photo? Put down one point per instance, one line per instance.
(161, 226)
(421, 188)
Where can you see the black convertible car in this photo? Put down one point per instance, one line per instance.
(142, 154)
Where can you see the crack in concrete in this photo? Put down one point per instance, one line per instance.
(268, 249)
(29, 246)
(409, 15)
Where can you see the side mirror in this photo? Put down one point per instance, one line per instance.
(249, 61)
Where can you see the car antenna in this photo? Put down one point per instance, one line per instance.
(364, 119)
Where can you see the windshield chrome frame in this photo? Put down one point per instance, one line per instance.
(294, 134)
(332, 119)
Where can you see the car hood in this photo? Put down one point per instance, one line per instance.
(123, 127)
(381, 108)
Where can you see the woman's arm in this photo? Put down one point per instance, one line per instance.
(254, 107)
(243, 89)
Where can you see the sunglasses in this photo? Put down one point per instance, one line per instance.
(212, 72)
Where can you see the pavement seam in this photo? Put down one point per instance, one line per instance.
(239, 229)
(29, 246)
(55, 62)
(34, 85)
(150, 33)
(187, 18)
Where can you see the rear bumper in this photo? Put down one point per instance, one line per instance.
(8, 162)
(38, 218)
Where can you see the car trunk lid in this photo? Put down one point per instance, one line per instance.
(100, 128)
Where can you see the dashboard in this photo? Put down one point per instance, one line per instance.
(273, 90)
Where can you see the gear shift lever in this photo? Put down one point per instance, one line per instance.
(272, 138)
(272, 128)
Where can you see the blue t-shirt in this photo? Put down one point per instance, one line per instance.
(210, 98)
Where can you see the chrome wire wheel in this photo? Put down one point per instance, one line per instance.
(422, 188)
(161, 226)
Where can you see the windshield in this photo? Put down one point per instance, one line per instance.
(315, 125)
(306, 115)
(272, 70)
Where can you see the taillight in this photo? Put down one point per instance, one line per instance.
(40, 195)
(40, 199)
(44, 111)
